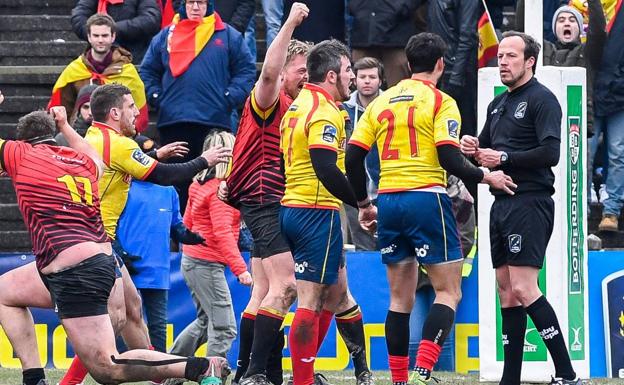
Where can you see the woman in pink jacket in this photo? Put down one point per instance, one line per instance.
(203, 266)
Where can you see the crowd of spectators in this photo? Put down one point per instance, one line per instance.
(198, 70)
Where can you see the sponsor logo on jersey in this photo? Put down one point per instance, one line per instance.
(452, 126)
(140, 157)
(401, 98)
(329, 133)
(65, 159)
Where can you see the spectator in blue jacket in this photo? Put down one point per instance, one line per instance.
(151, 217)
(196, 89)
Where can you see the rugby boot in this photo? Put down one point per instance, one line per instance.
(217, 372)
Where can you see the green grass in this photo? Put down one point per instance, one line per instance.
(14, 376)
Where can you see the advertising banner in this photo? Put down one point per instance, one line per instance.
(367, 281)
(613, 311)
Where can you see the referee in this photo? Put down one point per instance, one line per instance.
(521, 136)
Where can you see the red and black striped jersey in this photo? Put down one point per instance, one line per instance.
(256, 177)
(57, 193)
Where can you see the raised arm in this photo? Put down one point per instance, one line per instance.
(268, 86)
(74, 140)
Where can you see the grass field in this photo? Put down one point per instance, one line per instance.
(14, 377)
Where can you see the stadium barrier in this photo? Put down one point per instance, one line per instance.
(367, 280)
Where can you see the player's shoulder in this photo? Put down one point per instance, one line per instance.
(328, 111)
(13, 146)
(539, 91)
(121, 143)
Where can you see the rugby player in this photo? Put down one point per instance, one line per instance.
(416, 128)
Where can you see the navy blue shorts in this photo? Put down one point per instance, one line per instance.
(417, 224)
(315, 240)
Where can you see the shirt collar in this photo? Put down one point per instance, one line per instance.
(319, 89)
(104, 126)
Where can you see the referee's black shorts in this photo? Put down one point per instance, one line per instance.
(262, 220)
(520, 228)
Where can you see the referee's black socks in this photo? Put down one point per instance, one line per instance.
(545, 320)
(514, 326)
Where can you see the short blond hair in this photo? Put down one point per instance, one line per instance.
(295, 48)
(221, 170)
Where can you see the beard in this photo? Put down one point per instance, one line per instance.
(81, 125)
(514, 79)
(344, 95)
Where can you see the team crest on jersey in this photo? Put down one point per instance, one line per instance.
(140, 157)
(515, 243)
(452, 126)
(293, 107)
(329, 133)
(520, 110)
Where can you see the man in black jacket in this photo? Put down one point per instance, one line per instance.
(137, 22)
(381, 29)
(456, 22)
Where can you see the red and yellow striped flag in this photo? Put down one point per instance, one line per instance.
(488, 41)
(128, 76)
(188, 38)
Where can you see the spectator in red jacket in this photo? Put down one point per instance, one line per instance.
(203, 266)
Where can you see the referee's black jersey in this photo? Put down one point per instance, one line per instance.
(522, 120)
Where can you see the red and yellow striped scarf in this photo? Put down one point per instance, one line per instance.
(187, 38)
